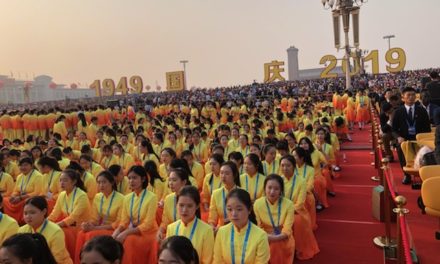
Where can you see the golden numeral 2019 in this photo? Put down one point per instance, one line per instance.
(395, 57)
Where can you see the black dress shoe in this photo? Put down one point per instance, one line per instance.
(319, 208)
(406, 180)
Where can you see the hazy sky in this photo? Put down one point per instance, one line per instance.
(226, 41)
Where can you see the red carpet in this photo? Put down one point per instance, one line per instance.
(347, 228)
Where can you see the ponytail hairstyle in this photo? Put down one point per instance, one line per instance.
(29, 247)
(152, 172)
(182, 174)
(76, 177)
(115, 169)
(193, 193)
(182, 164)
(256, 162)
(109, 248)
(147, 144)
(109, 177)
(181, 248)
(244, 197)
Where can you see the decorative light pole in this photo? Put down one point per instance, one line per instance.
(389, 37)
(184, 62)
(345, 8)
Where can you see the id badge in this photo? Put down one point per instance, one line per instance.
(276, 231)
(412, 130)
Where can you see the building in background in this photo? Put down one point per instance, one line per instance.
(308, 74)
(41, 89)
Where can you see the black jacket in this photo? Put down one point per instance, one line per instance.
(400, 122)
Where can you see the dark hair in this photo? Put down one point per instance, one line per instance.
(181, 163)
(236, 156)
(109, 248)
(86, 157)
(408, 89)
(75, 176)
(244, 197)
(152, 172)
(309, 142)
(26, 160)
(182, 174)
(256, 162)
(219, 159)
(75, 166)
(181, 248)
(193, 193)
(56, 153)
(30, 246)
(186, 153)
(234, 170)
(110, 177)
(147, 144)
(39, 202)
(50, 162)
(170, 151)
(115, 169)
(277, 178)
(290, 158)
(139, 170)
(302, 153)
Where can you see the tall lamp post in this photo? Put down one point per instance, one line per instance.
(389, 37)
(345, 9)
(184, 62)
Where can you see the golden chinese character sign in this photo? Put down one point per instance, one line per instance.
(273, 70)
(175, 81)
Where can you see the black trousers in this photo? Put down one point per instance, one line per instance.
(402, 160)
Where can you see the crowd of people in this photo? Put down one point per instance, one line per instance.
(207, 176)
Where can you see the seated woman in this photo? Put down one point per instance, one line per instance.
(274, 215)
(26, 248)
(137, 226)
(295, 189)
(52, 173)
(102, 249)
(211, 181)
(217, 209)
(6, 181)
(29, 183)
(35, 213)
(191, 226)
(8, 225)
(122, 184)
(71, 208)
(253, 178)
(178, 249)
(89, 165)
(177, 180)
(105, 211)
(240, 241)
(87, 178)
(125, 159)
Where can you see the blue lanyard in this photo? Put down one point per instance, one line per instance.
(224, 204)
(139, 208)
(273, 167)
(270, 213)
(293, 184)
(174, 209)
(23, 190)
(102, 220)
(50, 180)
(1, 216)
(246, 239)
(193, 229)
(256, 185)
(212, 183)
(304, 171)
(43, 227)
(108, 161)
(73, 200)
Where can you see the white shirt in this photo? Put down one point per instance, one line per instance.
(407, 107)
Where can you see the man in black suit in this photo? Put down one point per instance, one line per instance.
(409, 120)
(434, 87)
(425, 98)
